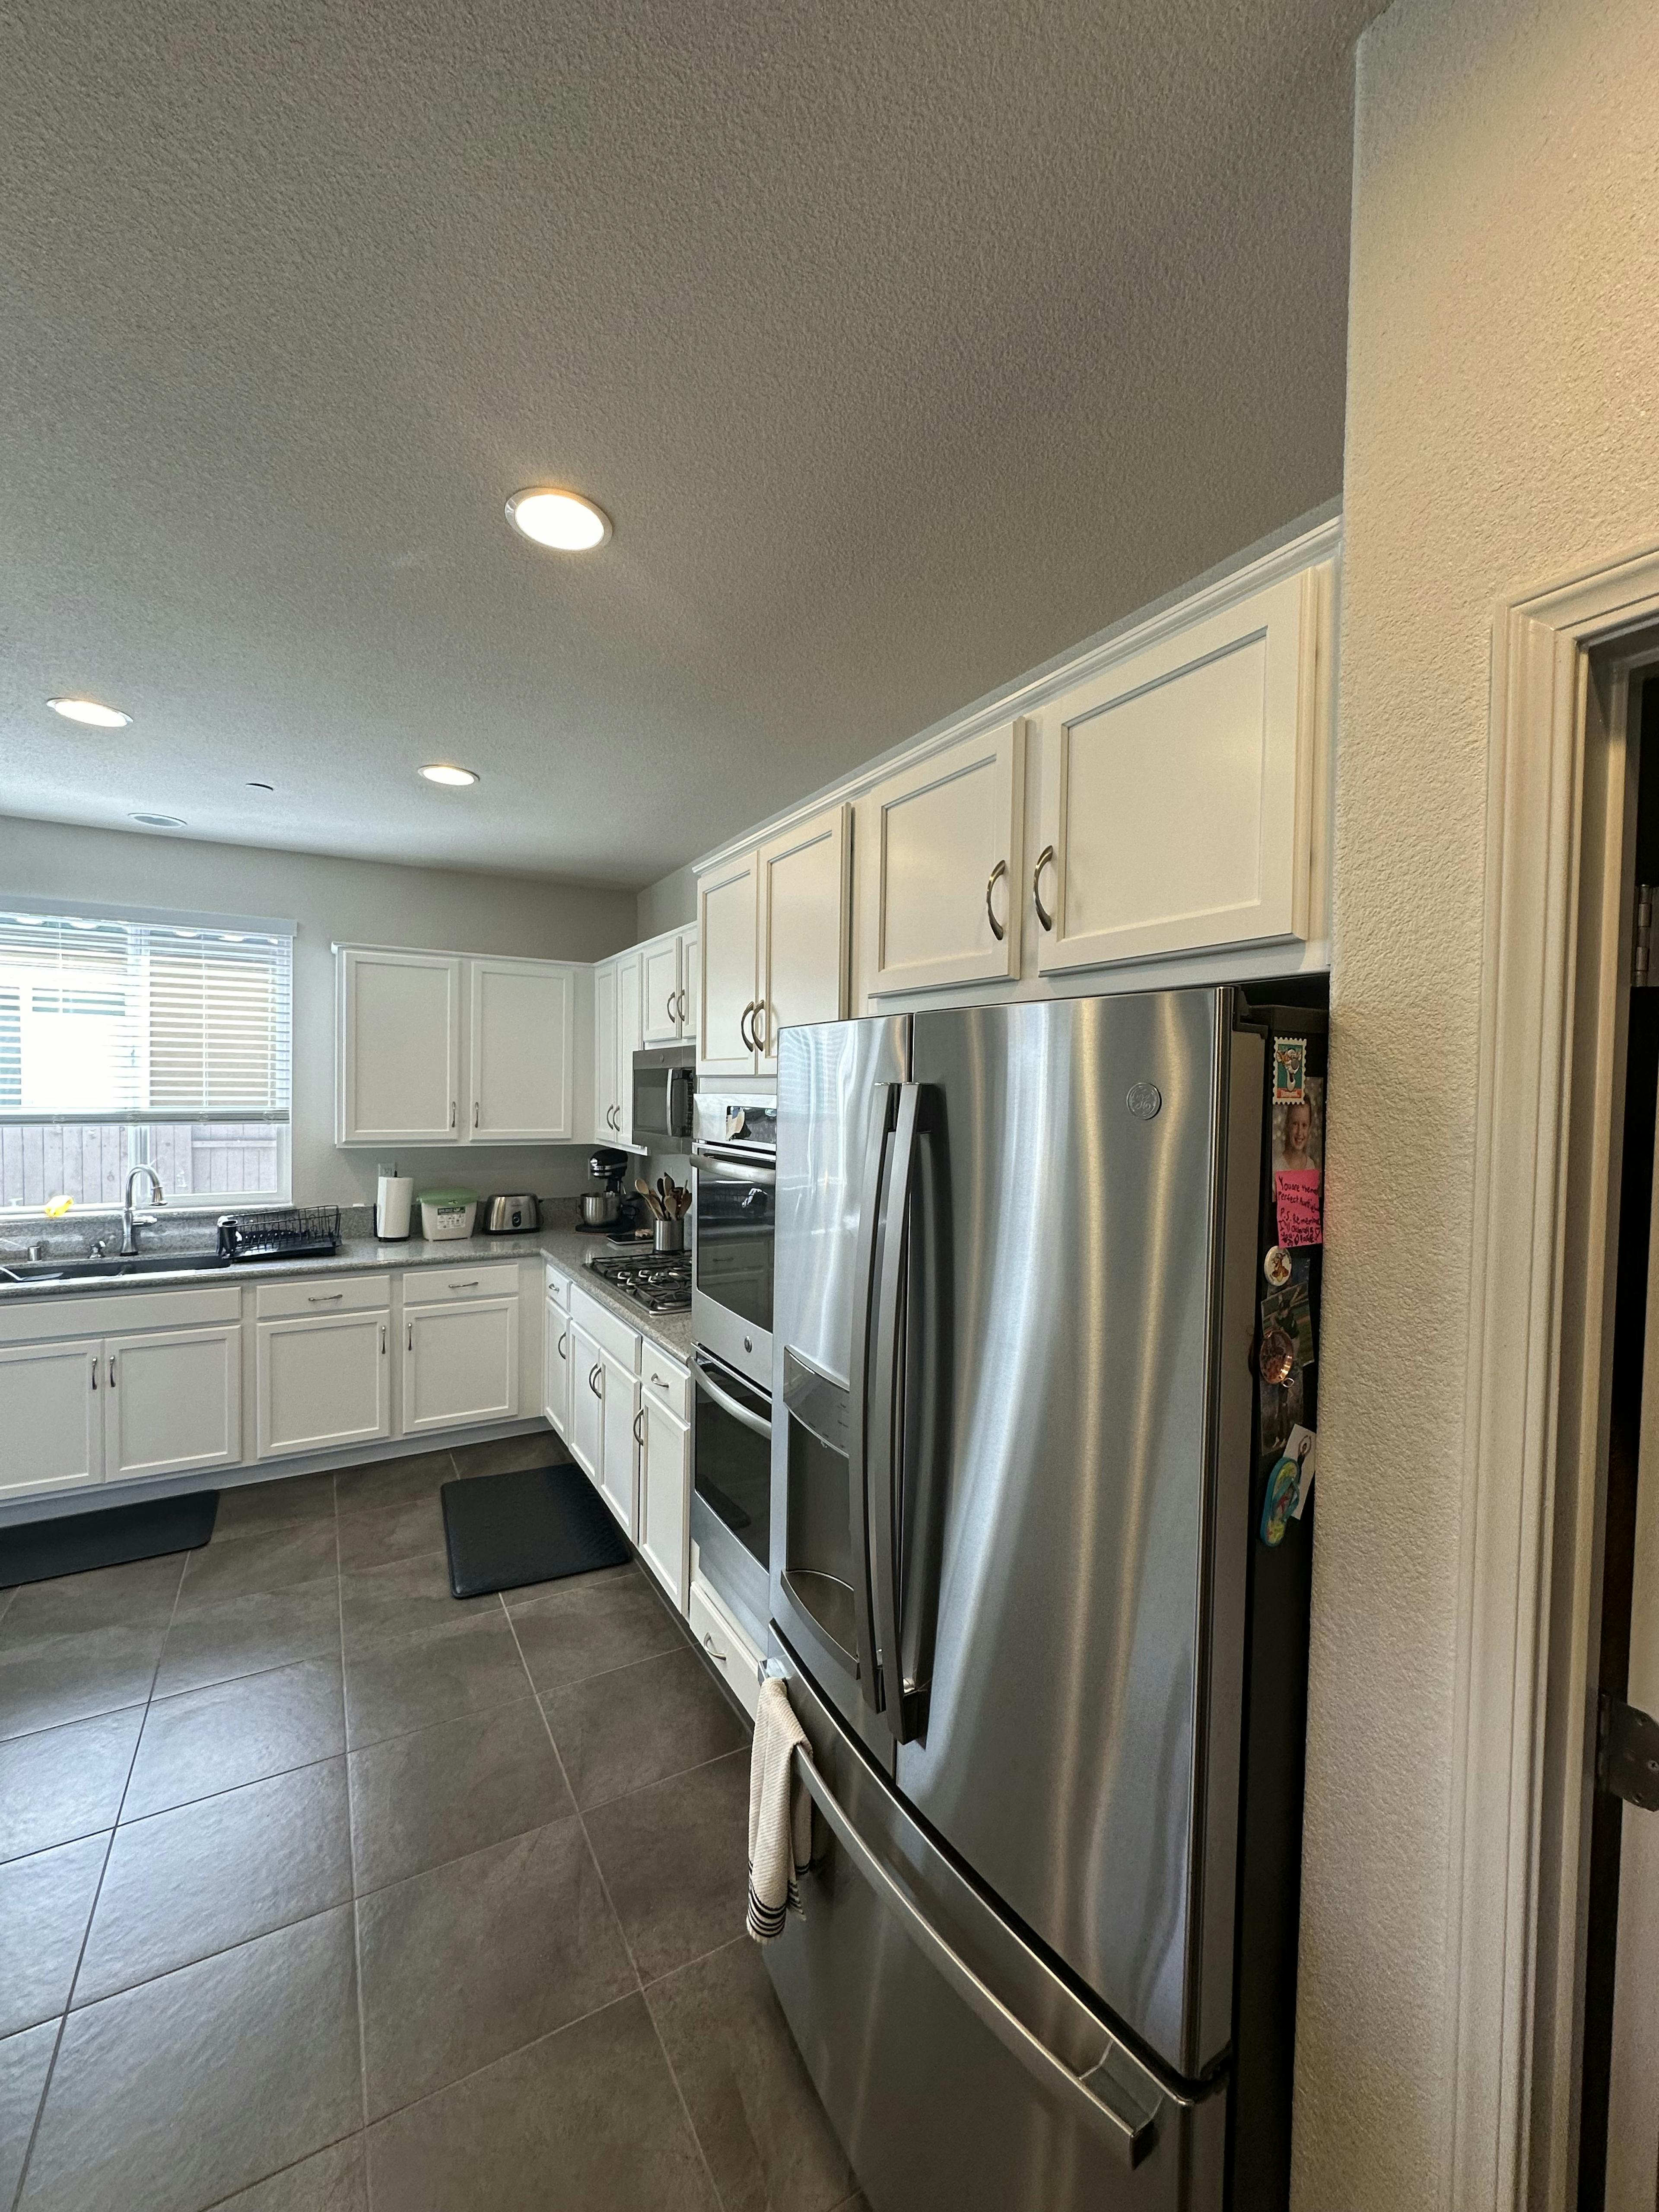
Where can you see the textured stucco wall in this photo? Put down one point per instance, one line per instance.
(1503, 429)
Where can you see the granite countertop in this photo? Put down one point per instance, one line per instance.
(566, 1247)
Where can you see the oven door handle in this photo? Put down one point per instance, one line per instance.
(757, 1422)
(734, 1167)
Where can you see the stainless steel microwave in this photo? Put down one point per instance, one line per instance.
(665, 1084)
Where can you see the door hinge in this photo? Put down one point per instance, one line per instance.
(1627, 1753)
(1642, 975)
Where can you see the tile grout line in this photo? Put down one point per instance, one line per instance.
(92, 1913)
(351, 1841)
(640, 1985)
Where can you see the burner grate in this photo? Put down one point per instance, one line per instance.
(660, 1282)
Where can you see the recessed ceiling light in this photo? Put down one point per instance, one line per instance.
(90, 710)
(159, 821)
(562, 519)
(445, 772)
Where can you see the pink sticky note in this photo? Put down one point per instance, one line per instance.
(1296, 1192)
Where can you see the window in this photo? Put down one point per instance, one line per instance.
(164, 1042)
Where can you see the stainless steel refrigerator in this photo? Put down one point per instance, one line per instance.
(1017, 1269)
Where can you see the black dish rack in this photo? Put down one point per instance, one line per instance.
(290, 1232)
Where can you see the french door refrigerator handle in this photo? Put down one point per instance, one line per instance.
(1131, 2135)
(883, 1412)
(858, 1377)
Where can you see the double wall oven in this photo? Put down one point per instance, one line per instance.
(734, 1170)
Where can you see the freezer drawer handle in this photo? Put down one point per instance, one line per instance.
(1131, 2135)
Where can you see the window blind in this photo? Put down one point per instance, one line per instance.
(104, 1020)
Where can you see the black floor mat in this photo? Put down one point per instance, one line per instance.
(536, 1525)
(76, 1543)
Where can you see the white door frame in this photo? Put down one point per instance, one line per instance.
(1554, 960)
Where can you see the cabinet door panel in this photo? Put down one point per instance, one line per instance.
(660, 981)
(460, 1364)
(620, 1455)
(173, 1401)
(555, 1369)
(665, 1530)
(322, 1381)
(943, 875)
(803, 929)
(51, 1423)
(604, 1054)
(631, 1036)
(523, 1038)
(399, 1048)
(727, 919)
(1177, 789)
(586, 1435)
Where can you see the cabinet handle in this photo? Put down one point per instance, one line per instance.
(997, 929)
(475, 1113)
(1043, 859)
(593, 1383)
(409, 1345)
(680, 995)
(672, 997)
(743, 1026)
(94, 1370)
(562, 1341)
(111, 1370)
(638, 1438)
(323, 1297)
(383, 1339)
(451, 1113)
(709, 1645)
(762, 1013)
(473, 1285)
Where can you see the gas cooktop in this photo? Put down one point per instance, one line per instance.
(659, 1281)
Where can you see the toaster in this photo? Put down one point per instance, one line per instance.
(519, 1210)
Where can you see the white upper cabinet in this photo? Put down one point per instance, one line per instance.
(523, 1036)
(939, 869)
(410, 1072)
(629, 1038)
(772, 935)
(664, 987)
(728, 917)
(399, 1047)
(802, 933)
(1178, 787)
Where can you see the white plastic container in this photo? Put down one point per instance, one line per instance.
(445, 1214)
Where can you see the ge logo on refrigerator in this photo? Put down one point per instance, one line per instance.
(1144, 1101)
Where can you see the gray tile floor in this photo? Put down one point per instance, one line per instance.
(321, 1892)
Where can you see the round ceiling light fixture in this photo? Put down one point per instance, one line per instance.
(563, 520)
(159, 821)
(445, 772)
(90, 711)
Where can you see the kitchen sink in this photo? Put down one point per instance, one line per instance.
(107, 1270)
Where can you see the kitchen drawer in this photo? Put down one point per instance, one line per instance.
(323, 1294)
(608, 1330)
(665, 1380)
(117, 1313)
(489, 1279)
(724, 1643)
(558, 1290)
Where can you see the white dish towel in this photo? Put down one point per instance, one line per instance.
(779, 1814)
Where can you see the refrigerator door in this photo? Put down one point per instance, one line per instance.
(1072, 1492)
(838, 1089)
(959, 2072)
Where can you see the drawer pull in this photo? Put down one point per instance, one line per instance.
(473, 1285)
(324, 1298)
(713, 1650)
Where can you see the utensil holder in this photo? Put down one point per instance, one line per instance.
(670, 1236)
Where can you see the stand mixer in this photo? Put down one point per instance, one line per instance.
(607, 1208)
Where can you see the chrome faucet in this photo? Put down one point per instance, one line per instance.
(131, 1222)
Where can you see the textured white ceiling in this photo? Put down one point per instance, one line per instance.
(905, 343)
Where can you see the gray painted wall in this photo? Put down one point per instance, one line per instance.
(449, 910)
(669, 904)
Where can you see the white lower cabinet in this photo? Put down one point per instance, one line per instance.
(619, 1452)
(664, 1524)
(586, 1435)
(52, 1416)
(460, 1364)
(555, 1369)
(725, 1645)
(173, 1401)
(322, 1380)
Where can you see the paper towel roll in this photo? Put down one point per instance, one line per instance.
(392, 1197)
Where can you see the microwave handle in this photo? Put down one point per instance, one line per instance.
(682, 1087)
